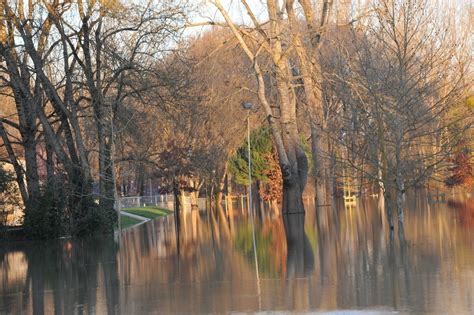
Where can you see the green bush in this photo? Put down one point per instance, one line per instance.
(45, 218)
(92, 218)
(58, 212)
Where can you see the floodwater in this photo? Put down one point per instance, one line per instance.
(341, 262)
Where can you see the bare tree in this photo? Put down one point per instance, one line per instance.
(280, 39)
(402, 75)
(66, 63)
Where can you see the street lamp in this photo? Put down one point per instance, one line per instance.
(249, 106)
(117, 204)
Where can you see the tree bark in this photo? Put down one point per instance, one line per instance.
(400, 200)
(16, 166)
(318, 171)
(388, 210)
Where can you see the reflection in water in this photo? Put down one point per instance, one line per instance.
(300, 257)
(60, 277)
(205, 262)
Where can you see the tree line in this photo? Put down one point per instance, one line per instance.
(102, 95)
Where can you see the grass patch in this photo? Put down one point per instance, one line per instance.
(147, 212)
(126, 222)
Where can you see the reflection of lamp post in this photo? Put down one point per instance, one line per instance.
(249, 106)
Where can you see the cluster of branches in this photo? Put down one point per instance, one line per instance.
(97, 98)
(69, 68)
(201, 119)
(394, 83)
(376, 88)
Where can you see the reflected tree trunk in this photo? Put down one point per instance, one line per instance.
(177, 226)
(300, 256)
(224, 223)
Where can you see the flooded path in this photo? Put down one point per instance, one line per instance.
(207, 264)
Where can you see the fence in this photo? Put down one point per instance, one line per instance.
(161, 201)
(167, 202)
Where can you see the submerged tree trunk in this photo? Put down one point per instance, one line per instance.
(332, 179)
(177, 201)
(195, 186)
(316, 148)
(400, 185)
(220, 190)
(294, 185)
(194, 195)
(388, 211)
(381, 187)
(381, 191)
(401, 229)
(400, 200)
(311, 70)
(292, 159)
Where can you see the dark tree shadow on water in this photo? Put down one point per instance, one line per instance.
(71, 272)
(300, 256)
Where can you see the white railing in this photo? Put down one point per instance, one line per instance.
(161, 201)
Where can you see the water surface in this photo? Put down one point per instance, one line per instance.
(340, 262)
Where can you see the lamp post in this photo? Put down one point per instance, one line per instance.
(249, 106)
(117, 204)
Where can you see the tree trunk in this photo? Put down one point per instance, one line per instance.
(401, 229)
(220, 189)
(285, 134)
(388, 210)
(177, 201)
(105, 162)
(230, 203)
(316, 148)
(16, 166)
(194, 196)
(381, 187)
(400, 198)
(293, 185)
(50, 166)
(28, 134)
(332, 178)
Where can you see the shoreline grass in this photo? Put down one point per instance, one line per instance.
(127, 222)
(147, 212)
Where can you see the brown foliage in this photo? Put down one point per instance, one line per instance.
(273, 189)
(462, 173)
